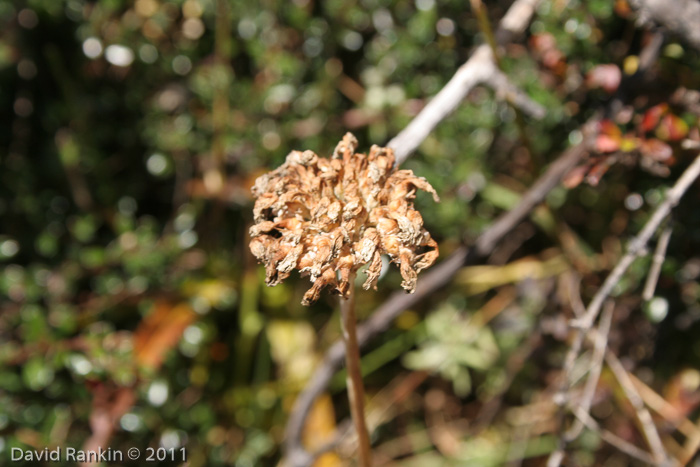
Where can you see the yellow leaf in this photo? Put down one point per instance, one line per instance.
(319, 430)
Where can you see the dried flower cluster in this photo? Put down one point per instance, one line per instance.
(327, 216)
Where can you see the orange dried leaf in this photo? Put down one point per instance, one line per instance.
(608, 127)
(160, 331)
(622, 8)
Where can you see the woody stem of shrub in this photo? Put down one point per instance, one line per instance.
(356, 390)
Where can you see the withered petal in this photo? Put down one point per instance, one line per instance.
(373, 271)
(332, 216)
(410, 276)
(327, 278)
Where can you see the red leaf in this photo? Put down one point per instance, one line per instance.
(656, 149)
(608, 127)
(672, 128)
(607, 77)
(652, 117)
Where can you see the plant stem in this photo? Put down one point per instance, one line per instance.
(356, 390)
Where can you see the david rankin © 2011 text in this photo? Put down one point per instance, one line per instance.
(71, 454)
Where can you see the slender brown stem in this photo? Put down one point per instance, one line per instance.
(356, 390)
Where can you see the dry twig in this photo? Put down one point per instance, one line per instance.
(600, 344)
(584, 324)
(480, 68)
(648, 427)
(619, 443)
(636, 248)
(691, 446)
(657, 262)
(666, 410)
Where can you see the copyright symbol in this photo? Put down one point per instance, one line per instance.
(133, 453)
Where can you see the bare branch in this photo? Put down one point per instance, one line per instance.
(680, 17)
(535, 195)
(507, 91)
(480, 68)
(665, 409)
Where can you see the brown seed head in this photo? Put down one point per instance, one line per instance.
(329, 217)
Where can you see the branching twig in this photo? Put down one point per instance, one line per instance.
(648, 428)
(665, 409)
(600, 344)
(510, 93)
(520, 102)
(475, 71)
(480, 68)
(636, 248)
(619, 443)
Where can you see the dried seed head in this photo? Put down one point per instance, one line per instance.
(329, 217)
